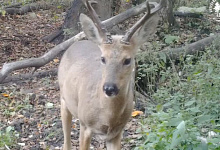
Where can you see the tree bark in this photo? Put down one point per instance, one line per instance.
(170, 16)
(71, 25)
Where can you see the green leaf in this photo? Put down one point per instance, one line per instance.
(171, 39)
(163, 57)
(178, 135)
(175, 121)
(189, 103)
(194, 109)
(181, 126)
(59, 7)
(159, 107)
(3, 13)
(9, 128)
(204, 118)
(210, 69)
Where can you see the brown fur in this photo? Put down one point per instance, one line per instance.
(81, 78)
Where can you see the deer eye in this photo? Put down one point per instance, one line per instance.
(103, 60)
(127, 61)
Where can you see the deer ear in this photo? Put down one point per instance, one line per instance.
(145, 31)
(90, 29)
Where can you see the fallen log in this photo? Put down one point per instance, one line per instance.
(188, 14)
(192, 48)
(20, 10)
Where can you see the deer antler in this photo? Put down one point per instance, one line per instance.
(126, 38)
(101, 27)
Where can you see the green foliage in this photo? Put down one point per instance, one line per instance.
(7, 137)
(194, 3)
(186, 115)
(171, 39)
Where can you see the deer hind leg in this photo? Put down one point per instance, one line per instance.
(85, 137)
(66, 117)
(115, 143)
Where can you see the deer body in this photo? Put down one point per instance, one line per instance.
(96, 79)
(81, 89)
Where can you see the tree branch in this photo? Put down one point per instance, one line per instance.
(172, 53)
(38, 62)
(28, 76)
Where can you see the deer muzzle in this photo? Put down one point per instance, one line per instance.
(110, 89)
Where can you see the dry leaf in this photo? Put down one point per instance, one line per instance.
(56, 60)
(5, 95)
(136, 113)
(38, 125)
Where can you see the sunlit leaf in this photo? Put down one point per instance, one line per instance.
(171, 39)
(38, 125)
(9, 128)
(3, 13)
(5, 95)
(49, 105)
(74, 126)
(56, 60)
(136, 113)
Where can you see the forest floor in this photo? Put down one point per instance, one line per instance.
(32, 107)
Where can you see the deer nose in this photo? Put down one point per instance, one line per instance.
(110, 89)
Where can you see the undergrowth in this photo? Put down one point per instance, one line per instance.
(8, 138)
(187, 97)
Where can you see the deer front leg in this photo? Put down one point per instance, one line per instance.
(85, 137)
(115, 143)
(66, 123)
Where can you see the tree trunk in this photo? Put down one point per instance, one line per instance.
(170, 16)
(71, 26)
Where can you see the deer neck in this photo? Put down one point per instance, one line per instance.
(117, 104)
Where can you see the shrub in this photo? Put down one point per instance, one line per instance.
(187, 96)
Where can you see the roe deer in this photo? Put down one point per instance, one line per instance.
(96, 78)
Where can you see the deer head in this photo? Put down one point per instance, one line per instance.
(118, 51)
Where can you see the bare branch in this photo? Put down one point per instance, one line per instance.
(29, 76)
(38, 62)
